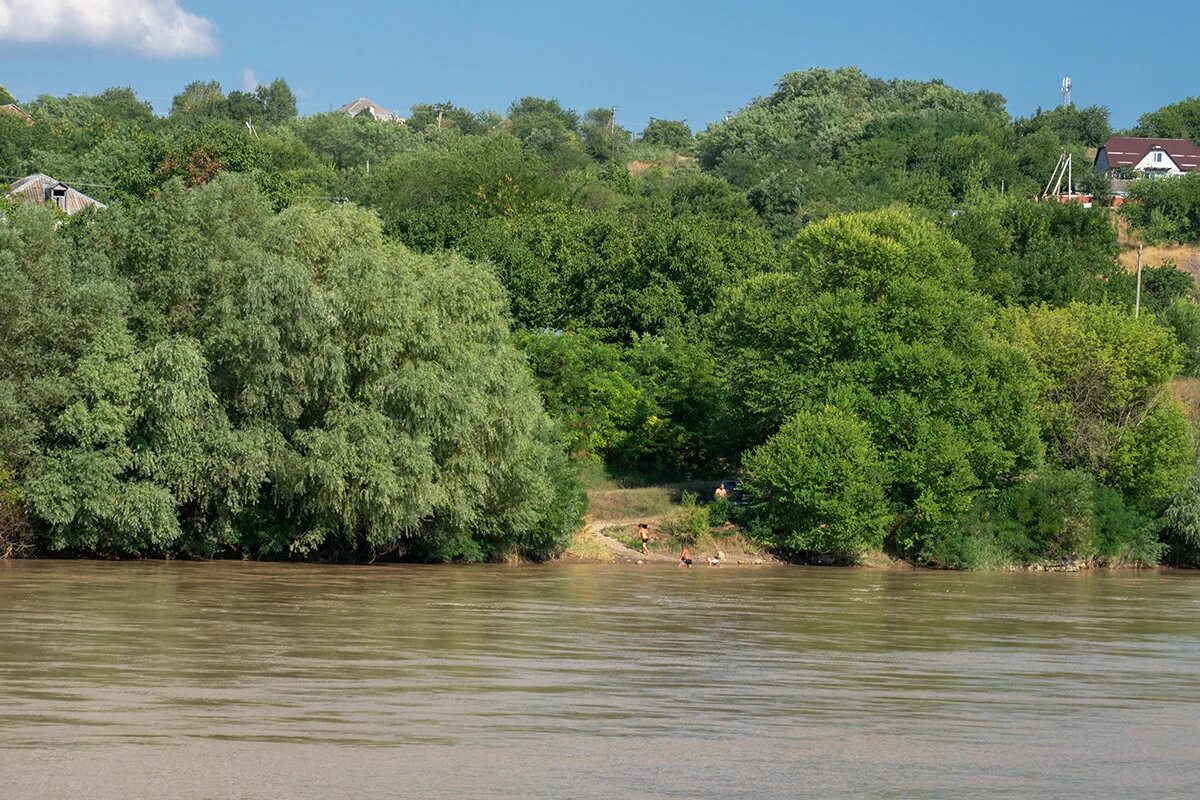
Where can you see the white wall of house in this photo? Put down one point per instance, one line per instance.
(1159, 161)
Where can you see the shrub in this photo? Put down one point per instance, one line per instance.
(16, 533)
(817, 486)
(1101, 402)
(1123, 534)
(1165, 210)
(1182, 524)
(1058, 515)
(688, 522)
(1183, 318)
(721, 511)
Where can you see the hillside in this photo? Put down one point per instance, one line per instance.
(1186, 257)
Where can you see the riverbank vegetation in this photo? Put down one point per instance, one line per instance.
(342, 339)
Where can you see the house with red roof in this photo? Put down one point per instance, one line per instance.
(15, 110)
(1149, 157)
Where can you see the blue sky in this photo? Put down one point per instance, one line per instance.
(686, 60)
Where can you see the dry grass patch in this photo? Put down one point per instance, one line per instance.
(652, 501)
(1186, 257)
(586, 547)
(1187, 391)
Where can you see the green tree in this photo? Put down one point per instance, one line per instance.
(243, 106)
(603, 138)
(200, 101)
(877, 317)
(546, 128)
(1165, 211)
(1179, 120)
(1070, 124)
(816, 486)
(120, 103)
(671, 133)
(1101, 399)
(1026, 252)
(278, 101)
(199, 375)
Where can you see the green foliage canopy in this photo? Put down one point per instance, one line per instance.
(877, 317)
(200, 376)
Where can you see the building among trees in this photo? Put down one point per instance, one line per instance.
(365, 105)
(1149, 157)
(15, 110)
(39, 188)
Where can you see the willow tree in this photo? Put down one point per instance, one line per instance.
(284, 385)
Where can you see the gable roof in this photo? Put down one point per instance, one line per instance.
(13, 108)
(370, 106)
(1128, 151)
(37, 188)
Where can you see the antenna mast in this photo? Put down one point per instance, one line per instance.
(1066, 87)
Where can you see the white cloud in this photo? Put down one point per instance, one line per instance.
(249, 80)
(156, 28)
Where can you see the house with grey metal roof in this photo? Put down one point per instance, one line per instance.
(365, 106)
(42, 190)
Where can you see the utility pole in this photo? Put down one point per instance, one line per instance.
(1137, 299)
(440, 109)
(1070, 180)
(612, 121)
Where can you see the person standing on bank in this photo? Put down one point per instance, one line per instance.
(644, 532)
(685, 558)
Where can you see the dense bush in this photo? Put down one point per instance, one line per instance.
(688, 522)
(1059, 515)
(1026, 252)
(1102, 404)
(1182, 317)
(816, 486)
(200, 376)
(1165, 210)
(1182, 523)
(653, 408)
(877, 317)
(234, 359)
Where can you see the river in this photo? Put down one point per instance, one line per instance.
(244, 680)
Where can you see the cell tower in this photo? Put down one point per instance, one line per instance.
(1066, 87)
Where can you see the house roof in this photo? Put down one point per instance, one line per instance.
(13, 108)
(1127, 151)
(36, 189)
(365, 104)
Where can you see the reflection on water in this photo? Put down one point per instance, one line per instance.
(231, 680)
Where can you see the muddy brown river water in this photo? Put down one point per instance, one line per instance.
(232, 680)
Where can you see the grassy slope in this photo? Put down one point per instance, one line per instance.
(1186, 257)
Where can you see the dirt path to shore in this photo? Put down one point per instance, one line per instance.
(594, 545)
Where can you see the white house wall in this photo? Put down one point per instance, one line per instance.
(1167, 166)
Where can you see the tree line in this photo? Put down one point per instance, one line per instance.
(331, 337)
